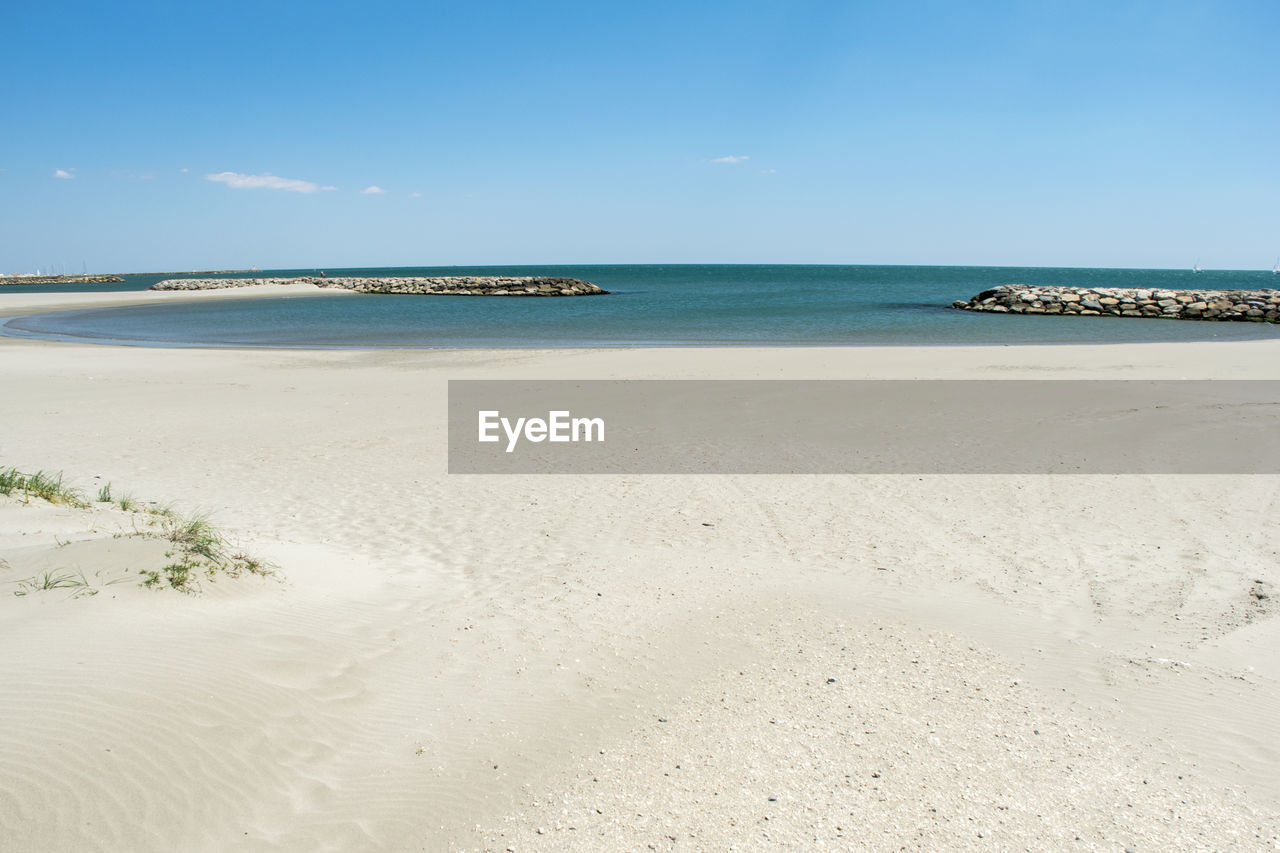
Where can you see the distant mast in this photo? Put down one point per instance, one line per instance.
(1196, 268)
(1276, 269)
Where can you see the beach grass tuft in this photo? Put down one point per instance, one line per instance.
(195, 535)
(182, 575)
(200, 552)
(41, 485)
(75, 581)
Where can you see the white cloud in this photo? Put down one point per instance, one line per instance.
(768, 171)
(731, 159)
(271, 182)
(184, 170)
(415, 195)
(65, 174)
(374, 190)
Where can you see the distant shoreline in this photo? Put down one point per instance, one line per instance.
(103, 278)
(196, 272)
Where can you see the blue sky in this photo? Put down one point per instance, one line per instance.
(163, 136)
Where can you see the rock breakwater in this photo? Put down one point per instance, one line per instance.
(461, 285)
(1261, 306)
(58, 279)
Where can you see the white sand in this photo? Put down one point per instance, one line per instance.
(459, 662)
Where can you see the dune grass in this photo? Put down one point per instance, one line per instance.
(53, 580)
(41, 485)
(195, 535)
(200, 552)
(126, 502)
(74, 581)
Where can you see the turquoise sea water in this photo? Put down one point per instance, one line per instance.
(654, 305)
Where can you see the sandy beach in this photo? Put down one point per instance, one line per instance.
(616, 662)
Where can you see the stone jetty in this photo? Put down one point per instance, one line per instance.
(58, 279)
(1261, 306)
(459, 285)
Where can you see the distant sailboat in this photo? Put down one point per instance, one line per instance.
(1276, 269)
(1196, 268)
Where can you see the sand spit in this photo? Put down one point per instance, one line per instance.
(449, 656)
(17, 305)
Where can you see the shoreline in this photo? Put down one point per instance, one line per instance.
(17, 335)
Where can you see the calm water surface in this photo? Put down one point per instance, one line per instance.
(652, 305)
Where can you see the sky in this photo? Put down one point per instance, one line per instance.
(277, 134)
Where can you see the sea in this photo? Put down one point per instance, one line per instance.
(649, 305)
